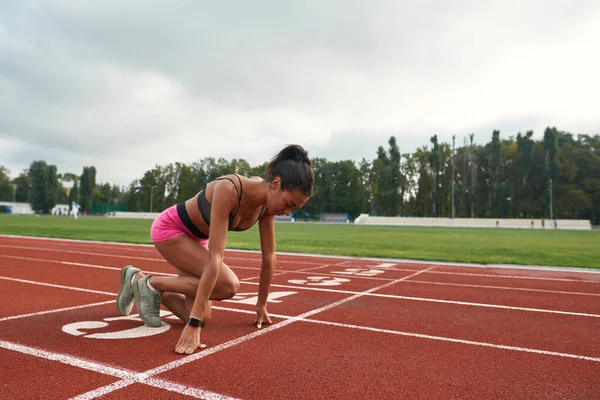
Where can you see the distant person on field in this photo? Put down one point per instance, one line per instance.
(181, 235)
(75, 210)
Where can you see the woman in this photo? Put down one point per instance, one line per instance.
(180, 234)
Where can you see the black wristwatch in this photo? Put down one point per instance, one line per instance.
(195, 322)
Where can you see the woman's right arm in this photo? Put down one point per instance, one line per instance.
(224, 199)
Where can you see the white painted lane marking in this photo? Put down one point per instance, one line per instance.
(518, 277)
(505, 288)
(241, 310)
(204, 353)
(327, 274)
(80, 329)
(69, 360)
(63, 251)
(127, 375)
(93, 394)
(360, 272)
(76, 264)
(351, 258)
(252, 298)
(307, 271)
(462, 303)
(335, 264)
(429, 337)
(319, 281)
(35, 314)
(384, 265)
(102, 266)
(353, 292)
(453, 340)
(177, 363)
(159, 259)
(6, 278)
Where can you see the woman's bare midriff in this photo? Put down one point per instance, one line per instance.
(193, 211)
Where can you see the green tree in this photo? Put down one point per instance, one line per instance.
(44, 183)
(87, 185)
(552, 166)
(6, 191)
(74, 193)
(23, 187)
(434, 164)
(364, 168)
(495, 193)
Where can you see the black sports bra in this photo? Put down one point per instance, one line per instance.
(205, 207)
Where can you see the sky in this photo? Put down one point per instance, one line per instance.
(125, 85)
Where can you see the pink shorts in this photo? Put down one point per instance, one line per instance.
(169, 225)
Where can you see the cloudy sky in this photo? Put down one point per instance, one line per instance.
(127, 84)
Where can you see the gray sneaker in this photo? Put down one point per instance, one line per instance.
(148, 302)
(125, 296)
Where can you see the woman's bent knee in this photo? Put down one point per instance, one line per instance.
(231, 287)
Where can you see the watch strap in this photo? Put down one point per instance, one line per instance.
(195, 322)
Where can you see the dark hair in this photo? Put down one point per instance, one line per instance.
(294, 168)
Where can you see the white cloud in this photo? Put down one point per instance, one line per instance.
(126, 86)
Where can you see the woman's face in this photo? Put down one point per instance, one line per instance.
(282, 202)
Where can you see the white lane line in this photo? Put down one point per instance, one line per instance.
(548, 268)
(204, 353)
(461, 341)
(6, 278)
(425, 299)
(337, 264)
(262, 331)
(537, 278)
(308, 269)
(101, 391)
(422, 336)
(158, 259)
(241, 310)
(45, 260)
(505, 288)
(282, 272)
(63, 251)
(69, 360)
(185, 390)
(368, 293)
(111, 371)
(361, 294)
(35, 314)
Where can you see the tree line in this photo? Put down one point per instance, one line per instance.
(518, 177)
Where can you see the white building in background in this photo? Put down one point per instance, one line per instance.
(60, 209)
(25, 208)
(17, 208)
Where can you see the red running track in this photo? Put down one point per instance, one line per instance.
(343, 328)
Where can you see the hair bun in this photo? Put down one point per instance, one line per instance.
(299, 158)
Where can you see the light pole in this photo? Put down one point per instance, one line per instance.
(151, 196)
(550, 194)
(453, 137)
(15, 186)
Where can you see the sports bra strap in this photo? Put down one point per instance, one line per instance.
(239, 192)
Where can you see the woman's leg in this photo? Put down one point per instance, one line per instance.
(190, 258)
(178, 293)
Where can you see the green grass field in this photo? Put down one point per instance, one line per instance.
(486, 246)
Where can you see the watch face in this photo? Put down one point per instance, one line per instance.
(194, 322)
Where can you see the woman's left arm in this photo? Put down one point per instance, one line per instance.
(266, 227)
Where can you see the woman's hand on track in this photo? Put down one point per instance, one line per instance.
(189, 340)
(262, 316)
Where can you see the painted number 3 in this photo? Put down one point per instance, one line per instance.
(319, 281)
(82, 328)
